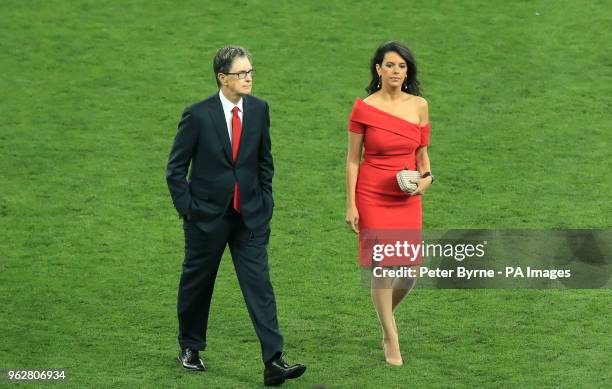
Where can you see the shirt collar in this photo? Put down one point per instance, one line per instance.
(228, 106)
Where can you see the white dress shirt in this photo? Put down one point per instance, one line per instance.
(228, 106)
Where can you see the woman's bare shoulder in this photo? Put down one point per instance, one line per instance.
(371, 98)
(417, 100)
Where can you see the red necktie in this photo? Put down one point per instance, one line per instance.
(236, 134)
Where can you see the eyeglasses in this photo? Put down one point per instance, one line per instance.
(243, 75)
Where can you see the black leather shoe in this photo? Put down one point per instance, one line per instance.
(190, 360)
(277, 371)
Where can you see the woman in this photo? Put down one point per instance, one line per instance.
(391, 125)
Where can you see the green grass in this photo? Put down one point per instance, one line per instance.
(91, 248)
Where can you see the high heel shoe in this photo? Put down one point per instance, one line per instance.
(392, 361)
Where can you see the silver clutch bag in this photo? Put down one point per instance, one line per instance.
(404, 177)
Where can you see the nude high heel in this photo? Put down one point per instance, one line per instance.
(394, 361)
(391, 361)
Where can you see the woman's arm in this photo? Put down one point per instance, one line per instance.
(353, 159)
(422, 158)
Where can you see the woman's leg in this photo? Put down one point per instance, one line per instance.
(382, 299)
(401, 288)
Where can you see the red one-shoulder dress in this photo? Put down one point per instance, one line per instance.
(390, 145)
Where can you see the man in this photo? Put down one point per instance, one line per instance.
(226, 201)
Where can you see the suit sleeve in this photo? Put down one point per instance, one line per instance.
(181, 154)
(266, 165)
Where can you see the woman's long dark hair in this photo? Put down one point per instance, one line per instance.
(412, 85)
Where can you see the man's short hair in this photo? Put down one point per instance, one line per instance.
(224, 58)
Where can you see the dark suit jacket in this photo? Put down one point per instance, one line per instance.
(202, 140)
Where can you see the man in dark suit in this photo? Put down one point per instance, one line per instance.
(227, 200)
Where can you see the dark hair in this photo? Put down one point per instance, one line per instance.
(225, 57)
(412, 86)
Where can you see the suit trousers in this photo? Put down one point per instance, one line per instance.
(203, 252)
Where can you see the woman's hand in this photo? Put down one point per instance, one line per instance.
(352, 219)
(422, 185)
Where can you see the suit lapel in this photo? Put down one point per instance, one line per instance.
(218, 117)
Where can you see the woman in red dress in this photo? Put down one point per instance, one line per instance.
(391, 127)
